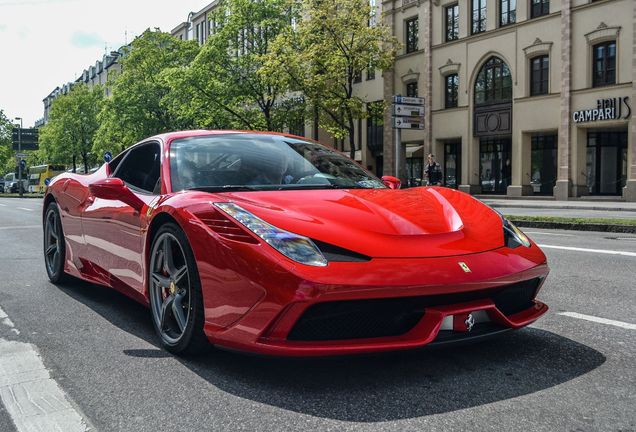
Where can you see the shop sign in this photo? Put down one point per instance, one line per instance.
(606, 109)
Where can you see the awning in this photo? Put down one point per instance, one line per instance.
(415, 152)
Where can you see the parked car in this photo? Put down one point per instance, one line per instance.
(11, 183)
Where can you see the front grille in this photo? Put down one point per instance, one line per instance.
(373, 318)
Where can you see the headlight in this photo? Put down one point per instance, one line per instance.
(514, 236)
(296, 247)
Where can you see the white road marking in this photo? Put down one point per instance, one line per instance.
(620, 324)
(20, 227)
(24, 208)
(33, 399)
(3, 205)
(549, 234)
(599, 251)
(4, 319)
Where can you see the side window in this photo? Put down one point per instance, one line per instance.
(141, 168)
(112, 165)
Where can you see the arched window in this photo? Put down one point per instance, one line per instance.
(493, 83)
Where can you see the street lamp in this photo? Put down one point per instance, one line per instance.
(19, 159)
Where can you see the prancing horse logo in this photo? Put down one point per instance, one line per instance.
(470, 322)
(464, 267)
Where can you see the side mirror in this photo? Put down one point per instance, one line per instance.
(114, 188)
(392, 182)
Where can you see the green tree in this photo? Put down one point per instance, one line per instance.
(138, 107)
(7, 162)
(323, 54)
(69, 135)
(223, 88)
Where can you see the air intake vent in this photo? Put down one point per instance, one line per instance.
(225, 227)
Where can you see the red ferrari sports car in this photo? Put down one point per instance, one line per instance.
(275, 244)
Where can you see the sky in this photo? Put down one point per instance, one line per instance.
(46, 43)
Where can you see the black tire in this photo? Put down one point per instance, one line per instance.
(54, 245)
(176, 300)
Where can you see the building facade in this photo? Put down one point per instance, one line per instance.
(523, 98)
(98, 74)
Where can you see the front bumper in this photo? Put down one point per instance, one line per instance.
(270, 327)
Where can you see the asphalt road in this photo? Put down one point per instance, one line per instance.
(561, 374)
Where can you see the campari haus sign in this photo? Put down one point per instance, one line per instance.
(617, 108)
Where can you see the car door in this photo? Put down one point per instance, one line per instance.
(113, 229)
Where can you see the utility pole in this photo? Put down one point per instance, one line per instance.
(19, 158)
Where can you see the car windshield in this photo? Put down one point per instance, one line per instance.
(231, 162)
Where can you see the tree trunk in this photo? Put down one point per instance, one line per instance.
(85, 159)
(74, 165)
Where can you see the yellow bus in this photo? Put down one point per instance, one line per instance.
(39, 174)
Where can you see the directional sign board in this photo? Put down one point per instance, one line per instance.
(406, 100)
(407, 110)
(408, 123)
(25, 139)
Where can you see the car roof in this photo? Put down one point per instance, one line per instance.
(171, 136)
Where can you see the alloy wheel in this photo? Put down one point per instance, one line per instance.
(170, 287)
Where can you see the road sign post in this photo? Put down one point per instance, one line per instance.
(408, 113)
(20, 162)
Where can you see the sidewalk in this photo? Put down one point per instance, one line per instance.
(576, 209)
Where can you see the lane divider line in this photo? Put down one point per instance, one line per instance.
(20, 227)
(548, 234)
(592, 318)
(599, 251)
(33, 399)
(24, 208)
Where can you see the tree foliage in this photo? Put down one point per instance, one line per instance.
(324, 53)
(6, 154)
(223, 87)
(139, 106)
(69, 134)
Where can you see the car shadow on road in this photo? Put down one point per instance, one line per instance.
(375, 388)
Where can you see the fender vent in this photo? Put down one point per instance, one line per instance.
(223, 226)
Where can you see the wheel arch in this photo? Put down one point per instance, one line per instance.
(48, 199)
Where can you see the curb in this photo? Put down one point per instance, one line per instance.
(575, 207)
(625, 229)
(27, 196)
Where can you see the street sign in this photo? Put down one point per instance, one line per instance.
(408, 110)
(408, 123)
(23, 163)
(108, 156)
(21, 155)
(406, 100)
(25, 139)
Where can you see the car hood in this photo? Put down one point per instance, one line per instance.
(416, 222)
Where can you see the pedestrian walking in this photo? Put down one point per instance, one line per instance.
(433, 172)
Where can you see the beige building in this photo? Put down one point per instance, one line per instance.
(97, 74)
(522, 97)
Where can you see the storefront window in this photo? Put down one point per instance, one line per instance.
(606, 162)
(495, 165)
(452, 163)
(543, 160)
